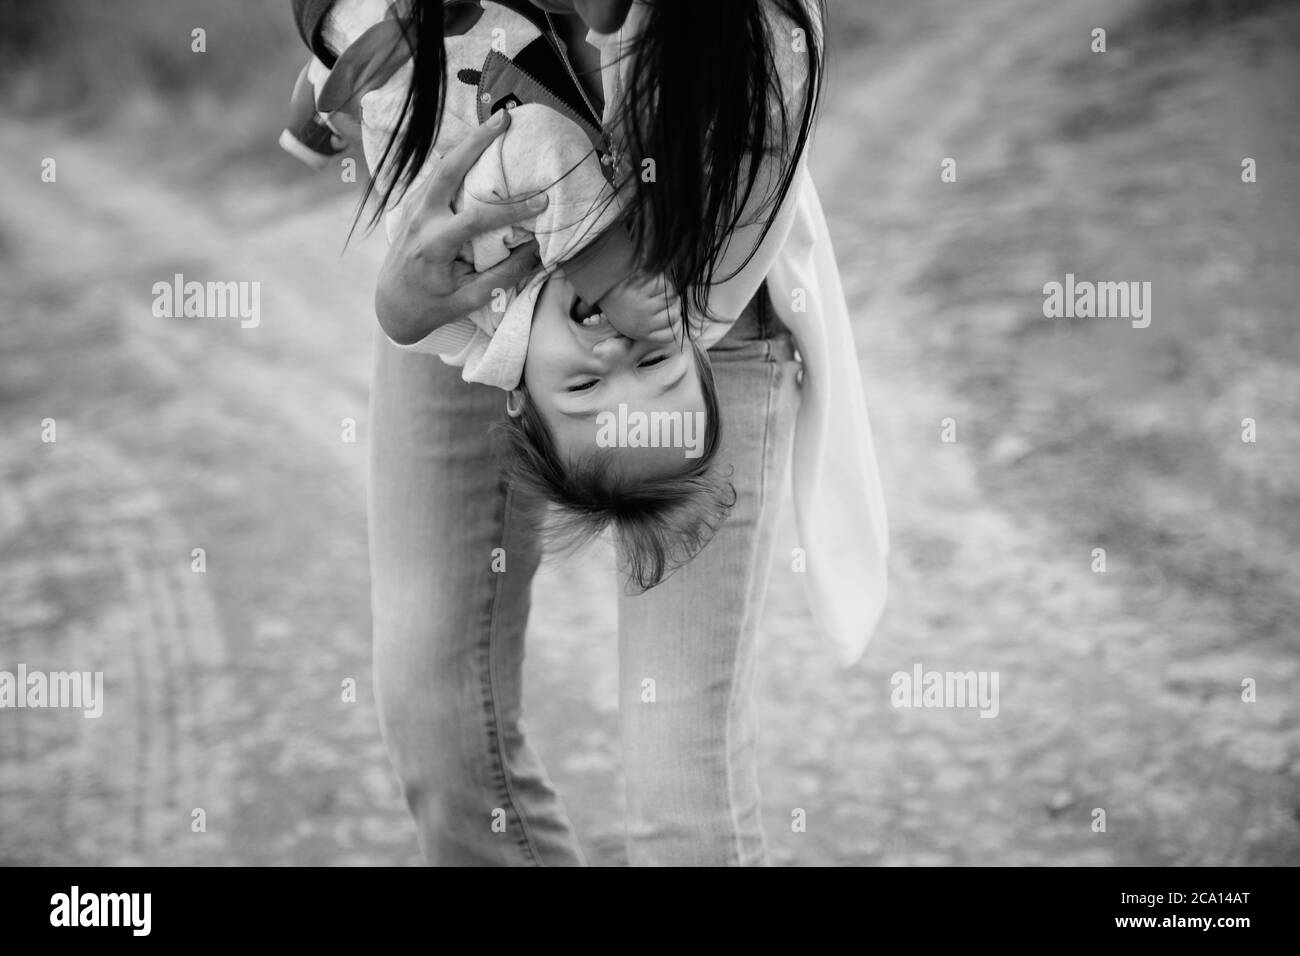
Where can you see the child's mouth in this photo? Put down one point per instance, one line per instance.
(589, 331)
(584, 314)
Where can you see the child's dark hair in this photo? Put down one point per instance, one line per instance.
(700, 102)
(659, 523)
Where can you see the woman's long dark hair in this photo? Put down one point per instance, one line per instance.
(701, 102)
(412, 140)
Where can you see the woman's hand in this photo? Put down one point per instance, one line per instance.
(422, 284)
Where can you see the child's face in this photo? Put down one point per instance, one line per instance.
(580, 374)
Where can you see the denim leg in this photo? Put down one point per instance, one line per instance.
(448, 628)
(690, 754)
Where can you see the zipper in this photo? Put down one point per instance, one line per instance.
(559, 101)
(609, 156)
(564, 58)
(607, 152)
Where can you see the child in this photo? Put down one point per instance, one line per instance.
(574, 381)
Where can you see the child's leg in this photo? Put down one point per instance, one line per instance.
(690, 754)
(448, 630)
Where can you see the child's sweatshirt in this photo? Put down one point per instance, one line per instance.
(542, 151)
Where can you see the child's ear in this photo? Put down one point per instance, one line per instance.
(515, 402)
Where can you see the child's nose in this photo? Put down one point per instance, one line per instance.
(607, 350)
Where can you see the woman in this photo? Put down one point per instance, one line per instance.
(702, 91)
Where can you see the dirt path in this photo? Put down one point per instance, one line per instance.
(224, 689)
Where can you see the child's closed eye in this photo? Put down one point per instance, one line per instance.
(652, 362)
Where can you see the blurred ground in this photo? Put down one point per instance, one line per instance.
(1119, 691)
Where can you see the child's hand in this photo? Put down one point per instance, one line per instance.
(642, 308)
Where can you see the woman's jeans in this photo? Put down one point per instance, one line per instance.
(449, 630)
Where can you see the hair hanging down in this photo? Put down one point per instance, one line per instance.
(701, 102)
(659, 523)
(421, 117)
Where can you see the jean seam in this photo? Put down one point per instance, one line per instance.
(755, 560)
(495, 727)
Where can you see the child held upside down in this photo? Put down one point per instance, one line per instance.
(610, 417)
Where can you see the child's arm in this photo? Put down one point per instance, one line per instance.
(544, 153)
(582, 213)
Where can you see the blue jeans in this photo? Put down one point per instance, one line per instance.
(449, 631)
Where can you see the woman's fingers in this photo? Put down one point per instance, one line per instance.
(478, 290)
(450, 172)
(449, 237)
